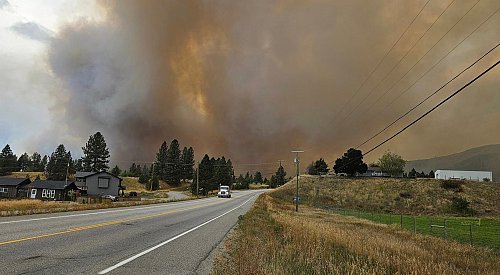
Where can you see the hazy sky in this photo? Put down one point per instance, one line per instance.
(248, 79)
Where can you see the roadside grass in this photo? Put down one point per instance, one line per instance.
(30, 206)
(273, 239)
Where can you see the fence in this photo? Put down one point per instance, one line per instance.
(474, 231)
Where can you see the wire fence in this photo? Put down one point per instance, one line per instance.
(474, 231)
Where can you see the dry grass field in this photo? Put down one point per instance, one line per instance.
(273, 239)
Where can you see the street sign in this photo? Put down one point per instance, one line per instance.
(295, 199)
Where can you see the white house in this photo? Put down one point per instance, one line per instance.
(463, 175)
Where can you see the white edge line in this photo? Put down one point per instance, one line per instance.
(100, 212)
(169, 240)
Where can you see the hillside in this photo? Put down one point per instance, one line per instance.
(405, 196)
(484, 158)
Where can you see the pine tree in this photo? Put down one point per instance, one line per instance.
(144, 177)
(280, 176)
(206, 173)
(116, 171)
(78, 163)
(24, 163)
(60, 163)
(160, 167)
(258, 177)
(8, 161)
(187, 161)
(36, 163)
(173, 163)
(95, 154)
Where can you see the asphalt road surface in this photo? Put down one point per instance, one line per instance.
(172, 238)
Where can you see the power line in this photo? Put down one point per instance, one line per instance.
(434, 108)
(427, 98)
(418, 61)
(380, 62)
(439, 61)
(395, 65)
(424, 115)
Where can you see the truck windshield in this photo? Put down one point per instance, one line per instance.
(224, 188)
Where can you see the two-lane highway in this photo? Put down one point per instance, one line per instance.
(172, 238)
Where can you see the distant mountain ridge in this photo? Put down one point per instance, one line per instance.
(484, 158)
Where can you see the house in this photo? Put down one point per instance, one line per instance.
(374, 171)
(99, 183)
(463, 175)
(50, 190)
(13, 187)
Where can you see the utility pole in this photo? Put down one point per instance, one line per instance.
(297, 161)
(198, 179)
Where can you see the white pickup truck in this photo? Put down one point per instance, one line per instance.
(224, 192)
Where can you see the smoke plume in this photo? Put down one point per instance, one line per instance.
(253, 80)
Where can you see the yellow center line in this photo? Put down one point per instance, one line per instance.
(98, 225)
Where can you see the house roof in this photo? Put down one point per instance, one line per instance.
(13, 181)
(84, 174)
(51, 184)
(88, 174)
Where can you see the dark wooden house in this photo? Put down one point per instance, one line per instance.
(50, 190)
(13, 187)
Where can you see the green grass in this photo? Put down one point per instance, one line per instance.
(485, 232)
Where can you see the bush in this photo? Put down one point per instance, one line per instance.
(460, 205)
(486, 179)
(452, 184)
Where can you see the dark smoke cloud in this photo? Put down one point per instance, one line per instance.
(254, 79)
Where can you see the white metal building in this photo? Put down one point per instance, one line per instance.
(463, 175)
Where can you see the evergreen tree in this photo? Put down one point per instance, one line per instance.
(187, 161)
(258, 177)
(60, 164)
(174, 171)
(95, 154)
(311, 169)
(36, 163)
(160, 167)
(206, 173)
(412, 174)
(280, 176)
(24, 163)
(135, 170)
(431, 174)
(144, 177)
(321, 167)
(350, 163)
(8, 161)
(78, 163)
(273, 183)
(116, 171)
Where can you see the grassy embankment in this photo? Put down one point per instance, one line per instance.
(273, 239)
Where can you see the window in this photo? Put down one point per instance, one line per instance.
(103, 183)
(49, 194)
(4, 190)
